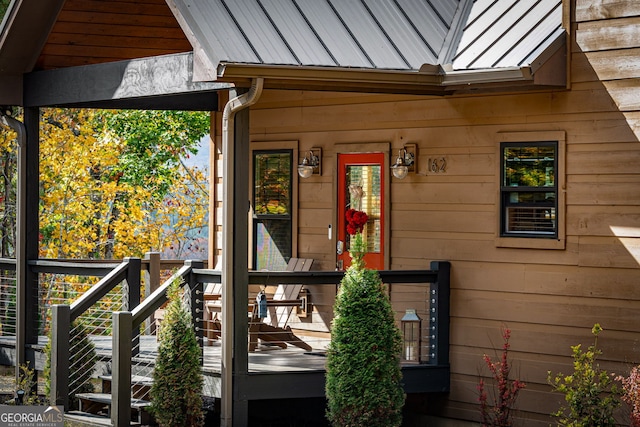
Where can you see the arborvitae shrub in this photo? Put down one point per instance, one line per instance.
(176, 393)
(363, 384)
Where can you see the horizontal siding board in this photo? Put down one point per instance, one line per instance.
(611, 65)
(588, 10)
(607, 35)
(603, 193)
(604, 162)
(626, 93)
(545, 309)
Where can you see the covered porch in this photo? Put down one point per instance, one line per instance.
(265, 374)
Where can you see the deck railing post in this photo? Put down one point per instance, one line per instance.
(121, 369)
(152, 282)
(197, 302)
(60, 330)
(439, 314)
(133, 297)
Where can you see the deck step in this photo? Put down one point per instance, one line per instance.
(140, 385)
(100, 404)
(82, 419)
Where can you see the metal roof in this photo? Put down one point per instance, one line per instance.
(372, 34)
(507, 33)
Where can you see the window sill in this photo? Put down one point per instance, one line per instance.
(530, 243)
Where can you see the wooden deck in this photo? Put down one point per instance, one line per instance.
(298, 373)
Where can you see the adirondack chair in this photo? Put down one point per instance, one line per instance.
(279, 316)
(280, 304)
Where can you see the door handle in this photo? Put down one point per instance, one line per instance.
(340, 247)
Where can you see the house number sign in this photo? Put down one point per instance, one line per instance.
(437, 165)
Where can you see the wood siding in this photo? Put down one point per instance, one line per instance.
(111, 30)
(549, 298)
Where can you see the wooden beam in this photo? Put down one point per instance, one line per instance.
(162, 82)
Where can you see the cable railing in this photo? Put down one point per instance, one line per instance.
(7, 297)
(103, 296)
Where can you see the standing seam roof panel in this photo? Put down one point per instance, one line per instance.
(446, 9)
(516, 34)
(335, 36)
(428, 22)
(412, 47)
(210, 18)
(294, 28)
(375, 43)
(481, 30)
(505, 32)
(260, 32)
(535, 37)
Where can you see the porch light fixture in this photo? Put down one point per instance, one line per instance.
(410, 326)
(311, 164)
(405, 162)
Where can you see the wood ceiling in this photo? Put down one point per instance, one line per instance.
(98, 31)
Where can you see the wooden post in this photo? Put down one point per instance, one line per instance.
(196, 295)
(235, 277)
(60, 330)
(152, 282)
(27, 239)
(439, 312)
(133, 297)
(121, 370)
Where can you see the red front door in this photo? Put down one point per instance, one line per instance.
(361, 187)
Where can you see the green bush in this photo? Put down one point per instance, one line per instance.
(363, 384)
(82, 362)
(590, 395)
(176, 393)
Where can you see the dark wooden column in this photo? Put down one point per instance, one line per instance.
(240, 363)
(27, 240)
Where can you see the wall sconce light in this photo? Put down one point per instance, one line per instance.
(311, 164)
(405, 162)
(410, 325)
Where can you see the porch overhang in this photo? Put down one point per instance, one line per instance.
(162, 82)
(548, 71)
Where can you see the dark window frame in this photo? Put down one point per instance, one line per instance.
(262, 218)
(549, 207)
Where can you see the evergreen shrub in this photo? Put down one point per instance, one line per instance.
(363, 383)
(176, 393)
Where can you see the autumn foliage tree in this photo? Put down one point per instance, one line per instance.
(113, 184)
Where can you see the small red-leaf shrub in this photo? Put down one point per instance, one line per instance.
(499, 412)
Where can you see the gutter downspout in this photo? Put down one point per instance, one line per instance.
(21, 261)
(228, 151)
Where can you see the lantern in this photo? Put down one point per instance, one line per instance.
(410, 325)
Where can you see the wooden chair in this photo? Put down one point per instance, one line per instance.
(280, 304)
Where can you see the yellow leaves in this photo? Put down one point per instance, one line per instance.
(86, 212)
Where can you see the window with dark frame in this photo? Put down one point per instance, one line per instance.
(529, 189)
(272, 216)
